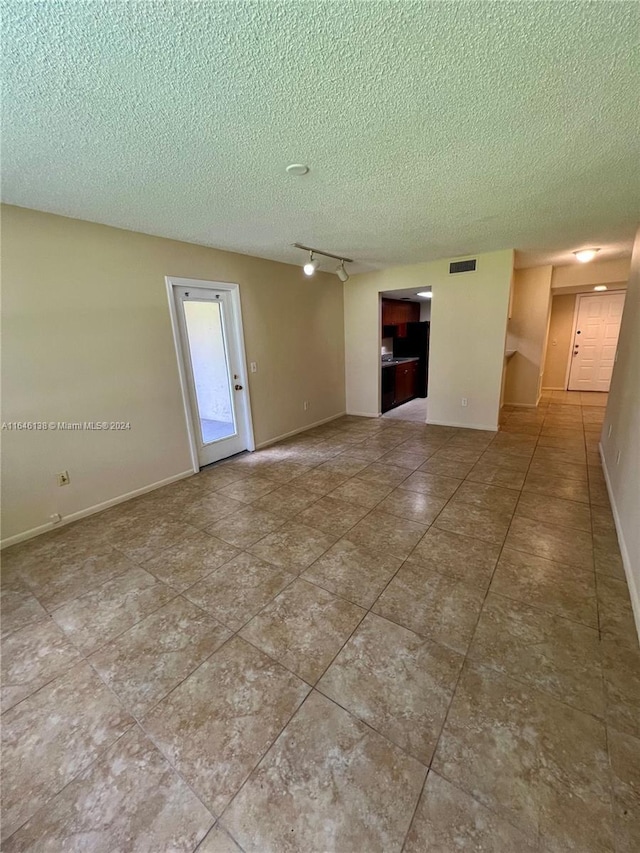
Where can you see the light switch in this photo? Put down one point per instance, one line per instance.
(254, 367)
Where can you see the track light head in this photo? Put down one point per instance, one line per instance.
(312, 265)
(341, 272)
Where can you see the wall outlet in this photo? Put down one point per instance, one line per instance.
(464, 402)
(306, 405)
(63, 478)
(618, 455)
(609, 431)
(55, 518)
(254, 367)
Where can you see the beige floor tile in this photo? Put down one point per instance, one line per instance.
(293, 546)
(608, 562)
(319, 786)
(402, 457)
(99, 616)
(537, 762)
(52, 736)
(621, 671)
(217, 476)
(431, 484)
(361, 493)
(624, 752)
(286, 500)
(241, 588)
(448, 819)
(218, 841)
(556, 487)
(454, 468)
(245, 526)
(383, 475)
(320, 481)
(32, 657)
(249, 489)
(140, 539)
(19, 607)
(551, 541)
(332, 515)
(496, 474)
(192, 559)
(388, 534)
(549, 586)
(285, 470)
(468, 560)
(615, 610)
(414, 506)
(216, 726)
(572, 454)
(209, 508)
(489, 524)
(505, 458)
(432, 605)
(561, 512)
(353, 573)
(568, 470)
(555, 655)
(147, 661)
(346, 465)
(130, 799)
(486, 496)
(304, 628)
(397, 682)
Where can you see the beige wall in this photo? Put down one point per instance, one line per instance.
(468, 327)
(87, 336)
(621, 449)
(588, 275)
(559, 341)
(527, 334)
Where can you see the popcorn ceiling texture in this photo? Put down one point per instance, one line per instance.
(431, 129)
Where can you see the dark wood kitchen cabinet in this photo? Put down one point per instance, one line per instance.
(406, 376)
(397, 313)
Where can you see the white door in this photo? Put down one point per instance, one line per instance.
(595, 341)
(212, 367)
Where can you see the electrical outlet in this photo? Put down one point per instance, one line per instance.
(63, 478)
(254, 367)
(306, 405)
(609, 431)
(618, 455)
(463, 402)
(55, 518)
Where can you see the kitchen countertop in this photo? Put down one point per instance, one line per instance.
(393, 362)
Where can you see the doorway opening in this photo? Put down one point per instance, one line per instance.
(207, 328)
(405, 323)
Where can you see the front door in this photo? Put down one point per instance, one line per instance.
(595, 341)
(213, 365)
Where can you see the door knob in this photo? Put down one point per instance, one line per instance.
(238, 387)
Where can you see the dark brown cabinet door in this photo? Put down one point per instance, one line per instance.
(404, 383)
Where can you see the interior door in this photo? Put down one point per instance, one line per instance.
(214, 367)
(595, 341)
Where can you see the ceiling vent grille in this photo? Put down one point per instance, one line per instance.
(462, 266)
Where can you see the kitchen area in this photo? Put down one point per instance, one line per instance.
(404, 352)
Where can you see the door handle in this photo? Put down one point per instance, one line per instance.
(238, 387)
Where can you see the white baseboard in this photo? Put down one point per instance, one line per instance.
(522, 405)
(491, 427)
(284, 435)
(365, 414)
(92, 510)
(632, 583)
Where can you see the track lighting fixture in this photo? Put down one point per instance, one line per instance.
(313, 263)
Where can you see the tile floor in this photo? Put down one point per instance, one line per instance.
(376, 636)
(414, 410)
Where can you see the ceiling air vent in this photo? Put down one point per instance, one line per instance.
(462, 266)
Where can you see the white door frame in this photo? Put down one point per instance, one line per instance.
(574, 325)
(172, 282)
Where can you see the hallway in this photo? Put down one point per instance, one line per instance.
(377, 635)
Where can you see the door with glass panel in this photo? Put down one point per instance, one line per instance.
(214, 370)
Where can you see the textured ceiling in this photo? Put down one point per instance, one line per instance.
(431, 129)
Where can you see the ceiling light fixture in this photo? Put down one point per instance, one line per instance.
(586, 255)
(600, 287)
(313, 263)
(341, 272)
(426, 294)
(297, 169)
